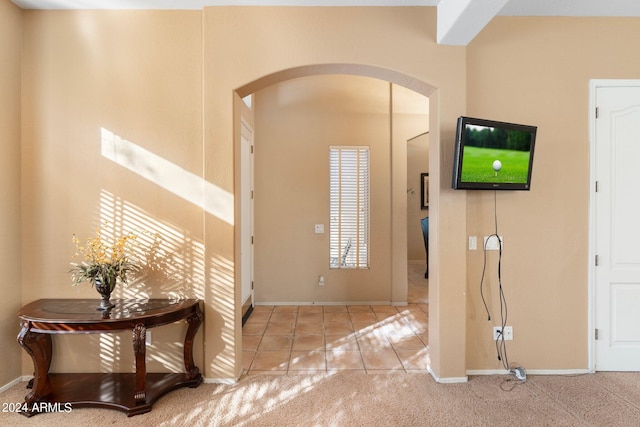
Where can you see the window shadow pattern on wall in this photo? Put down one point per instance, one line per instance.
(173, 260)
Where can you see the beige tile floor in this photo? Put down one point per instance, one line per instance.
(418, 286)
(327, 338)
(358, 338)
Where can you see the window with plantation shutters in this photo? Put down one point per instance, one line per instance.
(349, 207)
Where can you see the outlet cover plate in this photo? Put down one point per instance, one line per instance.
(491, 243)
(508, 333)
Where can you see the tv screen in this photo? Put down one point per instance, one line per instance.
(491, 155)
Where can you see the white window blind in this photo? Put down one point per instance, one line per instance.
(349, 207)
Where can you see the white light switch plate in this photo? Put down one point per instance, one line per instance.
(473, 243)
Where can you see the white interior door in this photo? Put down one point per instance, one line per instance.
(246, 214)
(617, 225)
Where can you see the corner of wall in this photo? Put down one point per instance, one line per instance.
(10, 173)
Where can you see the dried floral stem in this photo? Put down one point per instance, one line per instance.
(101, 261)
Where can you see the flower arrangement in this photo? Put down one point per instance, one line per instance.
(102, 264)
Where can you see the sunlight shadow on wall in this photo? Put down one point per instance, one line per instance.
(172, 261)
(172, 266)
(192, 188)
(221, 275)
(109, 358)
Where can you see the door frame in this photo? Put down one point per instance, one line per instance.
(594, 84)
(244, 172)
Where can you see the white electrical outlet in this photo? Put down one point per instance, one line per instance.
(508, 333)
(491, 243)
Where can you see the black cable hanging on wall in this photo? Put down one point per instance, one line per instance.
(501, 347)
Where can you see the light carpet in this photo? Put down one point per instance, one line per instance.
(342, 399)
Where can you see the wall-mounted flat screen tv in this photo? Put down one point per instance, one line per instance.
(492, 155)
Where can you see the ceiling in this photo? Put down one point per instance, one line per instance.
(459, 21)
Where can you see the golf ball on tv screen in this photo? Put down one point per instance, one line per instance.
(497, 165)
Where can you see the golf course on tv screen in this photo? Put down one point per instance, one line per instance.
(494, 155)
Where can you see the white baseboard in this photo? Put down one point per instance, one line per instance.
(559, 371)
(531, 372)
(326, 303)
(452, 380)
(14, 382)
(219, 380)
(448, 380)
(472, 372)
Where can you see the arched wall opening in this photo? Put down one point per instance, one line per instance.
(398, 185)
(366, 110)
(354, 69)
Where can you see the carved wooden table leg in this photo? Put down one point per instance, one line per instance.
(39, 347)
(140, 349)
(194, 321)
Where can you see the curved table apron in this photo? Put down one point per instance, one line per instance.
(132, 393)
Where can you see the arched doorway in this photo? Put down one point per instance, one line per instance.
(398, 190)
(398, 187)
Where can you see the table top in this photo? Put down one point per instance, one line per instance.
(85, 310)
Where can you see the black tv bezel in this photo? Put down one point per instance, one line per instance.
(458, 184)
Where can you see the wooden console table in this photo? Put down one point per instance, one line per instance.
(132, 393)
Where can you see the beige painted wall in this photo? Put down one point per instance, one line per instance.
(417, 163)
(10, 238)
(129, 73)
(411, 124)
(537, 71)
(88, 76)
(297, 121)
